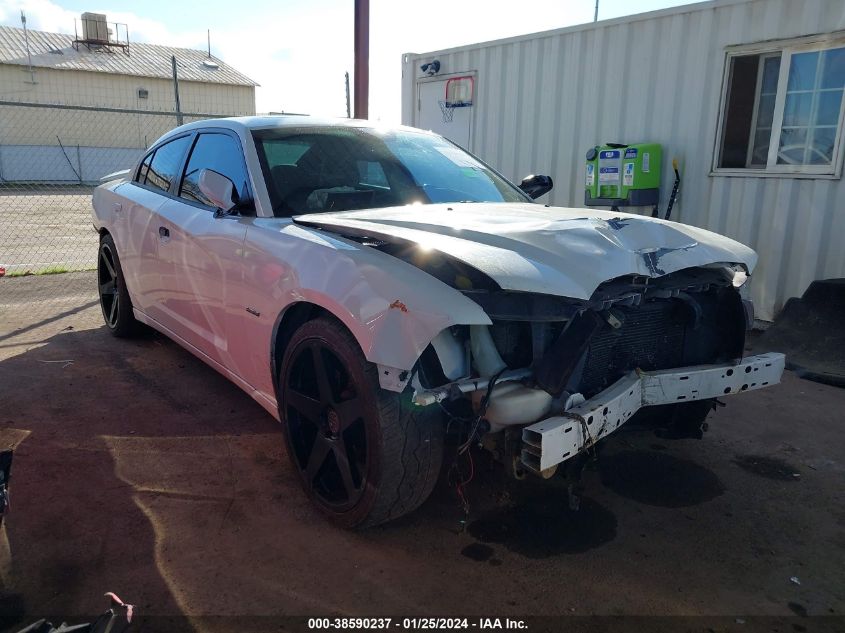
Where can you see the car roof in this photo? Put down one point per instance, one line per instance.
(269, 122)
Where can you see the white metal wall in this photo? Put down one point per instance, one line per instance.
(542, 100)
(75, 164)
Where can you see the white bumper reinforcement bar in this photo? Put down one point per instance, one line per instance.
(558, 438)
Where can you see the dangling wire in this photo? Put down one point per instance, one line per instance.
(485, 401)
(461, 483)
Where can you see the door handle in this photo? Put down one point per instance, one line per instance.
(163, 232)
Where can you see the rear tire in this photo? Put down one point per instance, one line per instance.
(114, 297)
(364, 455)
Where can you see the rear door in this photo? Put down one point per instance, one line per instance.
(138, 239)
(203, 253)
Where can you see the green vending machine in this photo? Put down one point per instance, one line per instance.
(623, 175)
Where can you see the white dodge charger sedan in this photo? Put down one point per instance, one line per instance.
(375, 287)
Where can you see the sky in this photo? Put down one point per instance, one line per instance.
(299, 50)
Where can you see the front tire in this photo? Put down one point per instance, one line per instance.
(364, 455)
(114, 297)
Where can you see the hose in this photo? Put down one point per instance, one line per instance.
(675, 186)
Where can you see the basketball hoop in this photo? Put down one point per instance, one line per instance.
(459, 93)
(448, 110)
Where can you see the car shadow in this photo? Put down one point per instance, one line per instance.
(110, 436)
(140, 470)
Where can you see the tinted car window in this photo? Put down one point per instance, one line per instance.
(314, 169)
(165, 164)
(220, 153)
(145, 167)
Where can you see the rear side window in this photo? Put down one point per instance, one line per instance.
(220, 153)
(145, 167)
(165, 163)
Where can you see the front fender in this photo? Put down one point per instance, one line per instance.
(392, 308)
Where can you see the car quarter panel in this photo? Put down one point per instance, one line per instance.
(393, 309)
(127, 212)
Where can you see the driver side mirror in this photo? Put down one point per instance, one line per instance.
(536, 186)
(218, 190)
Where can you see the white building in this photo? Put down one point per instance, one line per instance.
(747, 94)
(73, 112)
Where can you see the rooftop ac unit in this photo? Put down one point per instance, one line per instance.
(95, 28)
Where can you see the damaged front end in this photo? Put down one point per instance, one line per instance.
(551, 375)
(574, 347)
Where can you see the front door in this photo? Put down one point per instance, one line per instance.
(203, 253)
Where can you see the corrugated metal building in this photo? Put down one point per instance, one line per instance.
(747, 94)
(72, 112)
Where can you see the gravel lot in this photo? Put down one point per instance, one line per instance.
(141, 471)
(46, 228)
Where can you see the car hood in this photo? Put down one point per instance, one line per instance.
(550, 250)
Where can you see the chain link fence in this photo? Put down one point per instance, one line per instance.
(51, 158)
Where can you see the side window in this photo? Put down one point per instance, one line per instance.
(145, 167)
(371, 174)
(165, 163)
(220, 153)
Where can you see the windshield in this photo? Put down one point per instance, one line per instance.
(312, 169)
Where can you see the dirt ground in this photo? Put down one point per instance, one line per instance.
(141, 471)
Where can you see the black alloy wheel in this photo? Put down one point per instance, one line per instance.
(107, 279)
(325, 416)
(364, 455)
(114, 297)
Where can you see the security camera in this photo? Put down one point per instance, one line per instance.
(431, 68)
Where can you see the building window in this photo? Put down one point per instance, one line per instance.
(783, 110)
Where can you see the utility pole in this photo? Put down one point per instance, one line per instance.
(596, 14)
(362, 58)
(348, 111)
(179, 119)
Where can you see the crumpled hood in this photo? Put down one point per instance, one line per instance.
(551, 250)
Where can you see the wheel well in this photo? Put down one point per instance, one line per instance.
(103, 232)
(288, 322)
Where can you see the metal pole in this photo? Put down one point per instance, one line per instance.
(176, 91)
(26, 43)
(348, 111)
(362, 58)
(596, 14)
(209, 43)
(79, 163)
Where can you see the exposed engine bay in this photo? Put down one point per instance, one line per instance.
(691, 317)
(543, 354)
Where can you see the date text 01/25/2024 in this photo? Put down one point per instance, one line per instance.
(423, 624)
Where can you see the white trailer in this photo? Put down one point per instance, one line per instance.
(692, 79)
